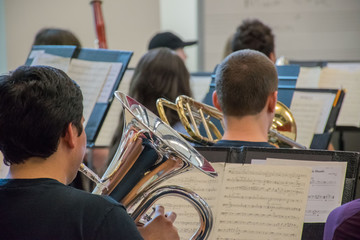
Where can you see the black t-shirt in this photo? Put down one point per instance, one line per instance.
(233, 143)
(47, 209)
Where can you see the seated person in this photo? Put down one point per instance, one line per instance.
(253, 34)
(43, 140)
(246, 92)
(160, 73)
(56, 36)
(170, 40)
(343, 222)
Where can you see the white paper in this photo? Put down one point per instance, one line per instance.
(3, 168)
(326, 186)
(306, 111)
(112, 117)
(42, 58)
(247, 201)
(350, 81)
(90, 76)
(107, 90)
(308, 77)
(200, 86)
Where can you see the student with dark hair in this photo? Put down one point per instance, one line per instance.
(56, 36)
(253, 34)
(160, 73)
(42, 138)
(246, 93)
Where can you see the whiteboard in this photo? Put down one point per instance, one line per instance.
(303, 29)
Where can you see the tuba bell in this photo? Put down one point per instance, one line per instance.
(150, 152)
(192, 114)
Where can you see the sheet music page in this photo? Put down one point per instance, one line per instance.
(326, 186)
(327, 100)
(348, 80)
(306, 110)
(187, 221)
(90, 76)
(348, 66)
(200, 86)
(262, 202)
(107, 90)
(112, 117)
(3, 168)
(308, 77)
(42, 58)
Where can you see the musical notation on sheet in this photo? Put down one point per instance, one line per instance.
(90, 76)
(42, 58)
(254, 201)
(326, 186)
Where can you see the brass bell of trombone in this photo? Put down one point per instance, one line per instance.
(150, 152)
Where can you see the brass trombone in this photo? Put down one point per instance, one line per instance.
(150, 152)
(193, 113)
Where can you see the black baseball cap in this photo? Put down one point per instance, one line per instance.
(169, 40)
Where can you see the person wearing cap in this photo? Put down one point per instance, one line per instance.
(170, 40)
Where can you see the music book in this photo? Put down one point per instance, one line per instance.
(247, 201)
(98, 72)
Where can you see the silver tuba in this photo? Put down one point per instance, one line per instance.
(150, 152)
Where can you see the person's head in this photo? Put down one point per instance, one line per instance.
(37, 106)
(246, 81)
(170, 40)
(55, 36)
(160, 73)
(253, 34)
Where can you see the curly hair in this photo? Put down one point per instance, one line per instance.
(253, 34)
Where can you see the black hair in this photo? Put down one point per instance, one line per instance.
(37, 103)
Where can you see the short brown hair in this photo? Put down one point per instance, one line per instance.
(244, 80)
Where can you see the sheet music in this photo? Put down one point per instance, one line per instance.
(90, 76)
(247, 201)
(327, 100)
(348, 80)
(199, 86)
(326, 186)
(306, 110)
(112, 117)
(308, 77)
(107, 90)
(3, 168)
(187, 220)
(42, 58)
(262, 202)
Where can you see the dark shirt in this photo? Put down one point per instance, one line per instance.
(233, 143)
(47, 209)
(344, 222)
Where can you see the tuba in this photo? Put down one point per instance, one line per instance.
(192, 114)
(150, 152)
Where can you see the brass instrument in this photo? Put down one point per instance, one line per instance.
(150, 152)
(192, 114)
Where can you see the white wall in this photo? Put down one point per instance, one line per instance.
(129, 24)
(3, 64)
(180, 17)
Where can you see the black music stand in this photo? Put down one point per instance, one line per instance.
(244, 155)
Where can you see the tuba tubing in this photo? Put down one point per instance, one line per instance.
(149, 153)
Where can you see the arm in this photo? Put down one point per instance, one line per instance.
(160, 227)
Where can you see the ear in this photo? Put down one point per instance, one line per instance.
(272, 100)
(216, 101)
(272, 57)
(70, 135)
